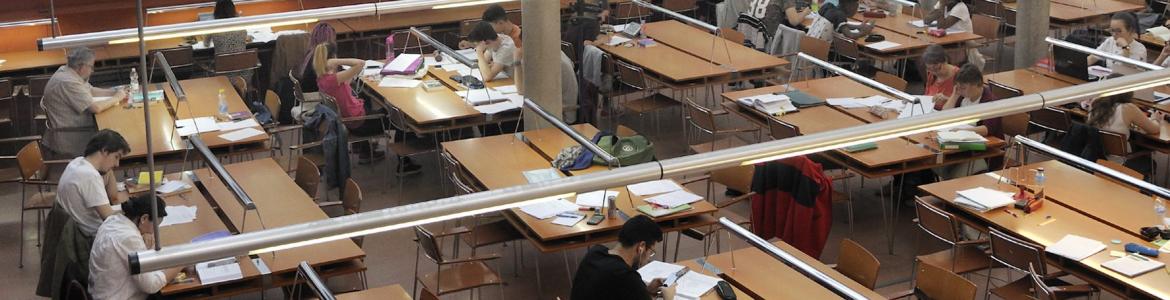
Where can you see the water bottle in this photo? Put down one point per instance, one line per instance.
(1160, 211)
(134, 82)
(390, 48)
(1040, 179)
(223, 106)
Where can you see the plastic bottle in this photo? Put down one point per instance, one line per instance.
(134, 82)
(1160, 211)
(223, 106)
(1040, 178)
(611, 206)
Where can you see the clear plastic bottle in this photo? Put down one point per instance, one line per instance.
(223, 106)
(1160, 211)
(1040, 178)
(134, 83)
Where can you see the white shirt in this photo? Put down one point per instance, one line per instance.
(961, 12)
(506, 54)
(80, 190)
(1137, 51)
(109, 270)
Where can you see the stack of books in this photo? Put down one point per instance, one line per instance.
(961, 140)
(771, 104)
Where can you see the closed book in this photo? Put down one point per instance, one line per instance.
(860, 147)
(965, 146)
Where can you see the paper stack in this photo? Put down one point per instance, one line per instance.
(548, 209)
(1075, 247)
(173, 187)
(674, 199)
(403, 64)
(1133, 265)
(229, 126)
(693, 285)
(653, 187)
(514, 102)
(657, 269)
(595, 198)
(961, 140)
(1161, 32)
(482, 96)
(984, 199)
(769, 103)
(179, 215)
(219, 270)
(187, 127)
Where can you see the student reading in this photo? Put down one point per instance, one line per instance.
(121, 234)
(612, 274)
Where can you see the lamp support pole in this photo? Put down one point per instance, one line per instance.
(142, 81)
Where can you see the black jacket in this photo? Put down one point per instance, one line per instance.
(1083, 141)
(605, 276)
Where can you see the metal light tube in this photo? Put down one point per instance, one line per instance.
(314, 281)
(1106, 55)
(223, 175)
(673, 14)
(858, 78)
(441, 209)
(1081, 162)
(800, 266)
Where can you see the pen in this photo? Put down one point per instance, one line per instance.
(1139, 257)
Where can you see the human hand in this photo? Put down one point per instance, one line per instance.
(148, 239)
(464, 44)
(654, 285)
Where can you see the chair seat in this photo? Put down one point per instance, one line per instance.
(966, 259)
(491, 233)
(725, 143)
(650, 103)
(1021, 289)
(40, 200)
(460, 277)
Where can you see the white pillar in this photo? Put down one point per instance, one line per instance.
(1031, 29)
(541, 73)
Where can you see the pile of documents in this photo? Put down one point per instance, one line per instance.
(670, 197)
(219, 270)
(595, 198)
(984, 199)
(961, 140)
(548, 209)
(179, 214)
(688, 284)
(173, 187)
(771, 104)
(653, 187)
(187, 127)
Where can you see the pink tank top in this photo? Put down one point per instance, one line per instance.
(348, 104)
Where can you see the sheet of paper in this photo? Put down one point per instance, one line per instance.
(469, 53)
(918, 23)
(548, 209)
(187, 127)
(393, 82)
(229, 126)
(1133, 265)
(506, 89)
(653, 187)
(172, 186)
(541, 175)
(179, 215)
(619, 27)
(514, 102)
(459, 68)
(217, 271)
(674, 199)
(595, 198)
(481, 96)
(883, 45)
(617, 40)
(568, 221)
(693, 285)
(241, 134)
(1161, 32)
(403, 61)
(1075, 247)
(960, 136)
(924, 106)
(657, 269)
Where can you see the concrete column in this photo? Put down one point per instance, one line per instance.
(1031, 29)
(541, 72)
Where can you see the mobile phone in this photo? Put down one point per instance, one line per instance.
(595, 219)
(674, 277)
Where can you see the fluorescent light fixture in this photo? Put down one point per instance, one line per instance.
(35, 22)
(407, 224)
(164, 9)
(821, 147)
(1102, 54)
(210, 31)
(471, 3)
(1125, 89)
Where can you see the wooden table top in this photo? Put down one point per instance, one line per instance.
(1028, 81)
(900, 23)
(906, 43)
(545, 230)
(496, 161)
(1067, 221)
(708, 46)
(130, 123)
(279, 202)
(1074, 10)
(23, 60)
(203, 101)
(667, 62)
(389, 292)
(422, 106)
(694, 266)
(757, 274)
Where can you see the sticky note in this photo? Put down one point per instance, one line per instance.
(1116, 253)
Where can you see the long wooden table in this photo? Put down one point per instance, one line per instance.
(1069, 211)
(757, 274)
(1069, 11)
(432, 111)
(702, 44)
(549, 142)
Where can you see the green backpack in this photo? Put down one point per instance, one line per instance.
(630, 150)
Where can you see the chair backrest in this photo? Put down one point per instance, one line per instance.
(179, 57)
(298, 93)
(939, 284)
(732, 35)
(737, 178)
(845, 47)
(1041, 288)
(430, 246)
(815, 47)
(1013, 125)
(36, 86)
(1002, 91)
(1050, 119)
(782, 130)
(425, 294)
(630, 75)
(1119, 168)
(240, 85)
(1009, 16)
(1114, 144)
(986, 7)
(936, 222)
(308, 177)
(236, 61)
(567, 48)
(679, 5)
(891, 80)
(455, 174)
(857, 263)
(985, 25)
(626, 11)
(700, 116)
(30, 161)
(272, 102)
(352, 200)
(1015, 253)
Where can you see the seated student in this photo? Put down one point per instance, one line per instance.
(335, 81)
(954, 15)
(889, 6)
(606, 273)
(834, 19)
(970, 89)
(1124, 27)
(498, 17)
(940, 75)
(1116, 114)
(70, 106)
(496, 52)
(776, 12)
(87, 187)
(122, 234)
(322, 33)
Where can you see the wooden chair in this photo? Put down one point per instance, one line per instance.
(814, 47)
(737, 178)
(891, 80)
(1021, 256)
(227, 63)
(483, 231)
(988, 27)
(308, 177)
(1054, 122)
(857, 263)
(33, 94)
(1117, 145)
(703, 120)
(963, 256)
(7, 103)
(634, 78)
(515, 17)
(846, 50)
(426, 294)
(782, 130)
(181, 60)
(452, 275)
(406, 147)
(34, 173)
(933, 282)
(1044, 291)
(13, 174)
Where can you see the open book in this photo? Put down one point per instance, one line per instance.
(1161, 32)
(769, 103)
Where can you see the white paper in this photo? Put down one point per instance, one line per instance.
(674, 199)
(1132, 265)
(960, 136)
(241, 134)
(883, 45)
(101, 98)
(653, 187)
(217, 271)
(187, 127)
(1075, 247)
(393, 82)
(856, 102)
(261, 34)
(918, 23)
(514, 102)
(481, 96)
(769, 103)
(595, 198)
(617, 40)
(172, 186)
(619, 27)
(984, 199)
(541, 175)
(548, 209)
(924, 106)
(506, 89)
(568, 221)
(657, 269)
(229, 126)
(402, 61)
(694, 285)
(179, 215)
(468, 53)
(450, 60)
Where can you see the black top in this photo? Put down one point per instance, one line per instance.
(834, 14)
(606, 276)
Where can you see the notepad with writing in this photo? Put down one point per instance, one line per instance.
(657, 269)
(1133, 265)
(653, 187)
(674, 199)
(1075, 247)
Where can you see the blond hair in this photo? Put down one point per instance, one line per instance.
(320, 58)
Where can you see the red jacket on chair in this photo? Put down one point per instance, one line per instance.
(793, 202)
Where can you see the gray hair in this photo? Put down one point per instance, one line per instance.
(79, 56)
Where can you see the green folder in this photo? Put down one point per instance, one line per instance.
(860, 147)
(974, 146)
(655, 212)
(802, 100)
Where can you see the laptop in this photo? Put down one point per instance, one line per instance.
(1070, 63)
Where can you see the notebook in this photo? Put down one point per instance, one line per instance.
(655, 212)
(1075, 247)
(984, 199)
(1133, 265)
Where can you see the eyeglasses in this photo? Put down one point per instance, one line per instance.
(1115, 30)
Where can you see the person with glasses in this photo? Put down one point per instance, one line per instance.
(607, 273)
(70, 102)
(1124, 29)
